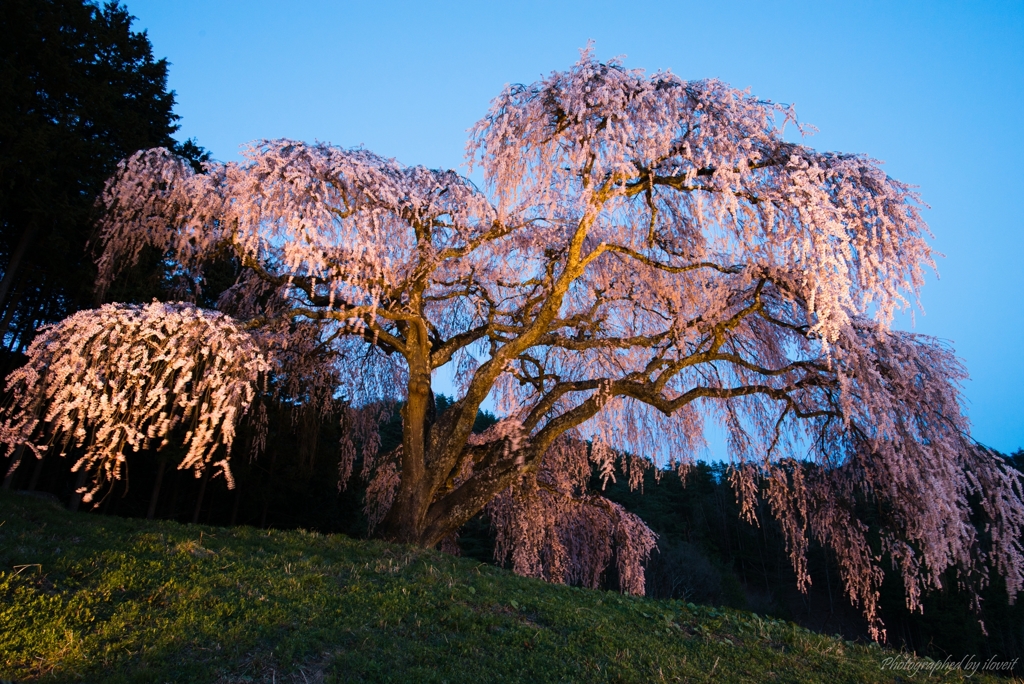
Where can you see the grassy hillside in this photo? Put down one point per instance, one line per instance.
(103, 599)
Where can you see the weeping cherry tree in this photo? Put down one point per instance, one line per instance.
(649, 256)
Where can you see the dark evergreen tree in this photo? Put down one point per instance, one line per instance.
(81, 91)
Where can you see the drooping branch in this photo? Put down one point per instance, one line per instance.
(123, 377)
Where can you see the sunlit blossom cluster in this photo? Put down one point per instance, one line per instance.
(124, 378)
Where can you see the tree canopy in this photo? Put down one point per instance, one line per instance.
(648, 255)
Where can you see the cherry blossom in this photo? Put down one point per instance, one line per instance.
(649, 256)
(122, 378)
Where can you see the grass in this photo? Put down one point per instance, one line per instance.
(102, 599)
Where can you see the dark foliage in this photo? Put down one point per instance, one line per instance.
(81, 90)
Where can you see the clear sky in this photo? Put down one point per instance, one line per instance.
(934, 89)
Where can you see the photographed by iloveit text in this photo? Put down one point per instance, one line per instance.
(969, 665)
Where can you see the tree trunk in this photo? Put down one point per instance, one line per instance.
(424, 511)
(108, 499)
(22, 336)
(76, 498)
(19, 453)
(404, 521)
(155, 497)
(37, 471)
(15, 263)
(12, 306)
(176, 475)
(202, 493)
(428, 513)
(266, 493)
(234, 508)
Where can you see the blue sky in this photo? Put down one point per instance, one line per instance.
(934, 89)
